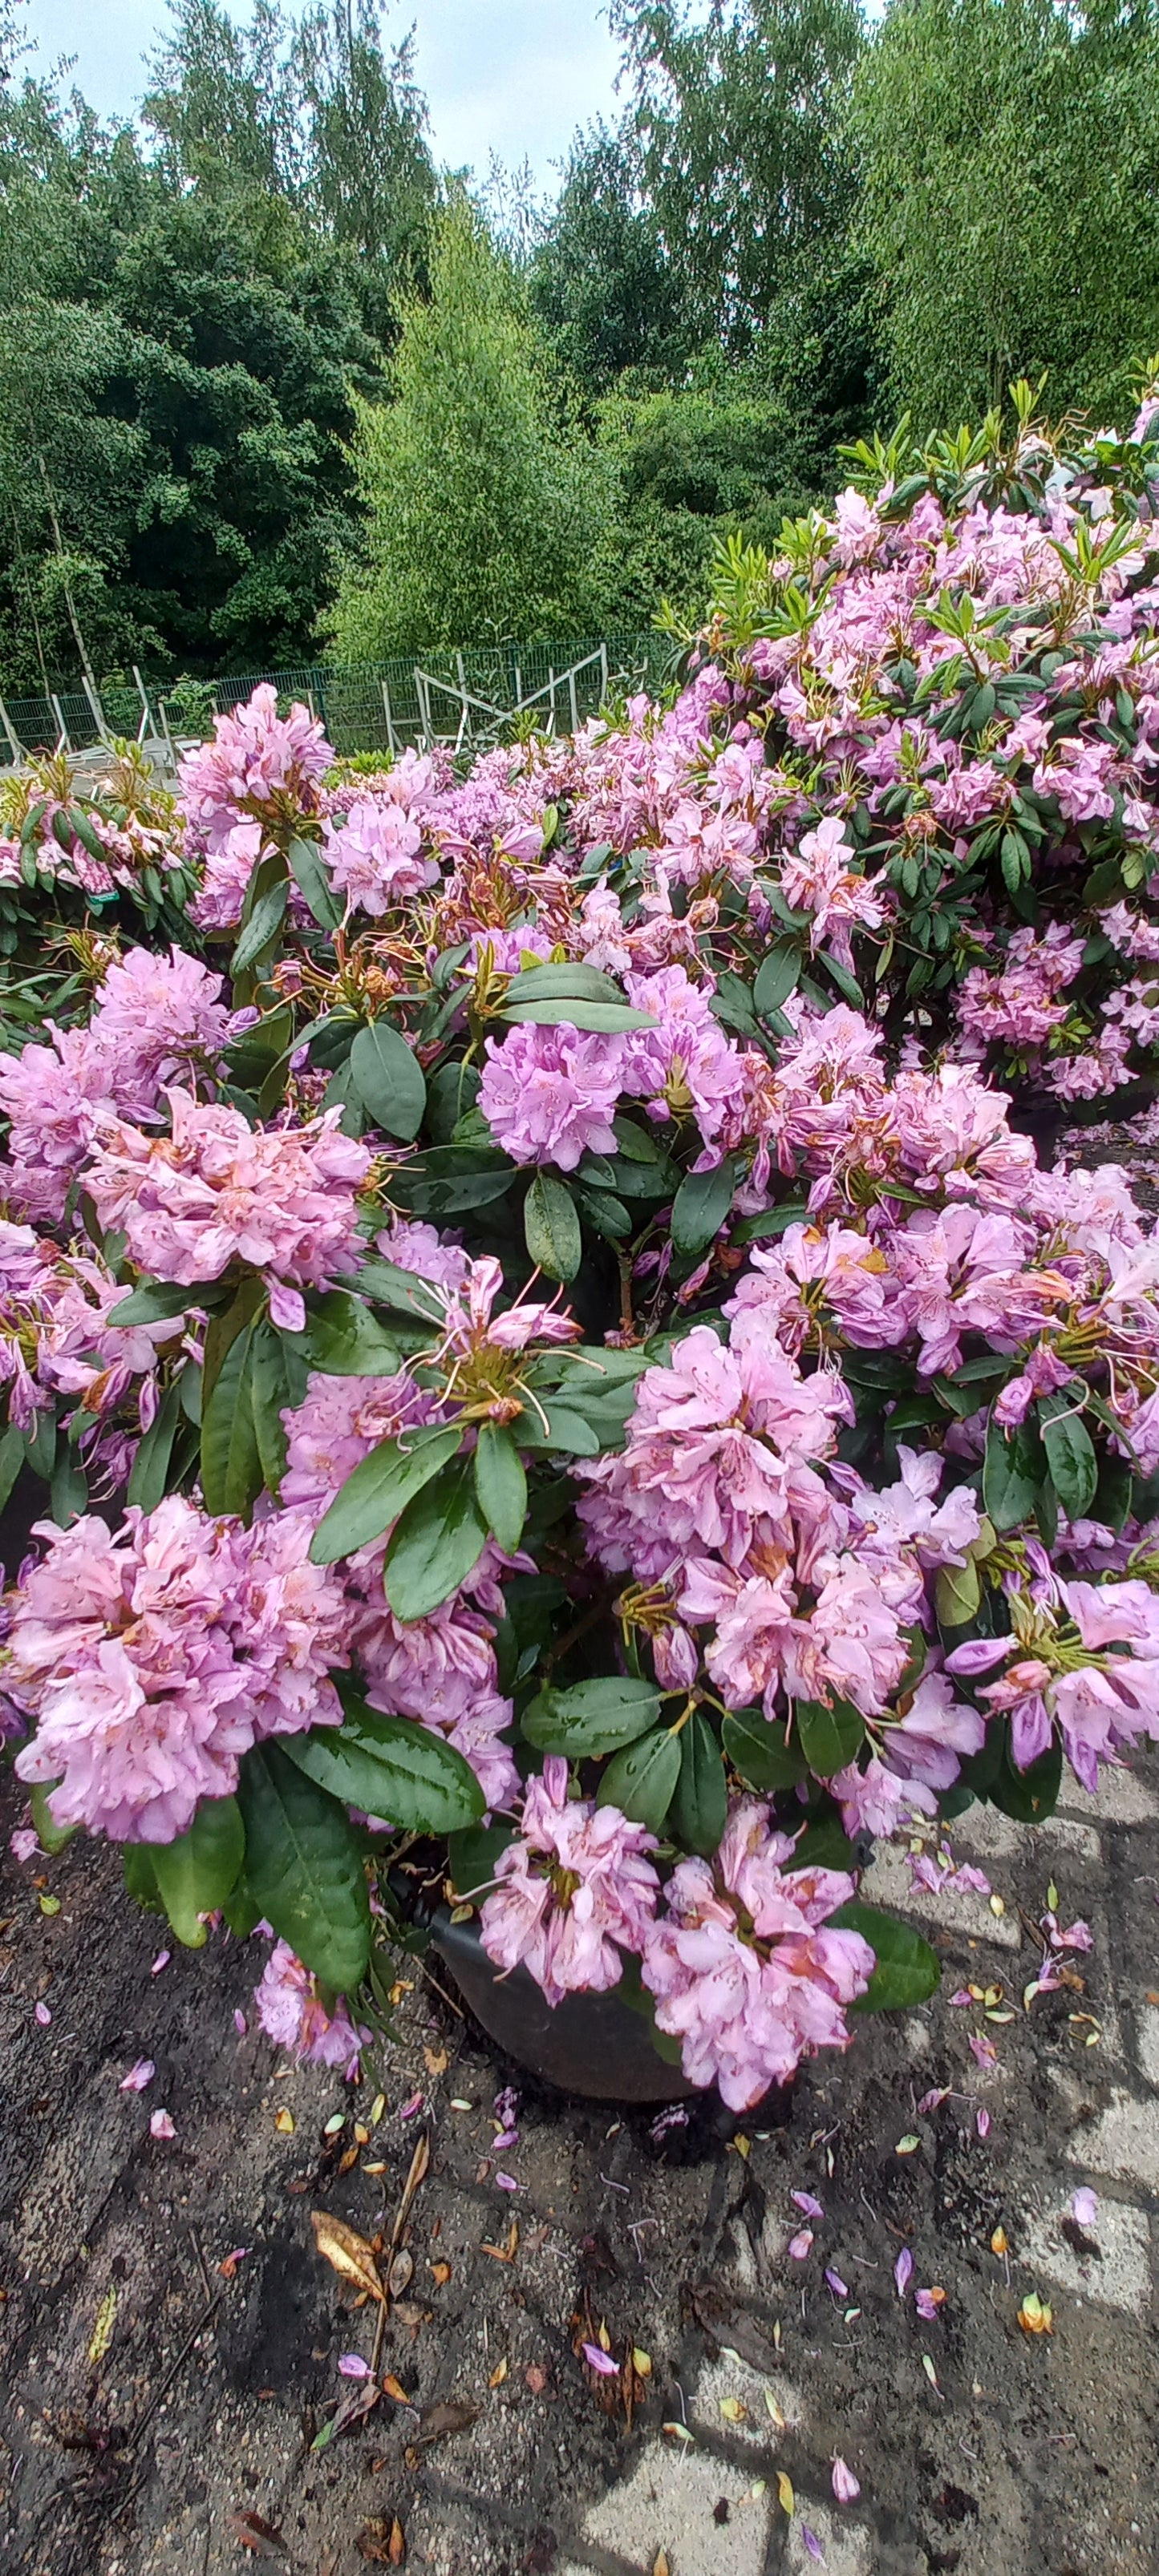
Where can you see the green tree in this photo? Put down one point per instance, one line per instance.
(738, 115)
(600, 280)
(1010, 149)
(483, 508)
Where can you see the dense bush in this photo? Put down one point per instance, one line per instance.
(552, 1366)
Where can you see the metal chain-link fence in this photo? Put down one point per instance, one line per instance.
(465, 699)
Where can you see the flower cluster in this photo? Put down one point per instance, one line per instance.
(216, 1190)
(152, 1660)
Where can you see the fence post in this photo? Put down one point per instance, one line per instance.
(391, 744)
(98, 711)
(574, 708)
(551, 677)
(146, 723)
(15, 746)
(63, 743)
(603, 673)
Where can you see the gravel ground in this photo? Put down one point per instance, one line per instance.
(161, 2413)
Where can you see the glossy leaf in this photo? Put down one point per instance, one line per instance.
(303, 1867)
(231, 1466)
(699, 1808)
(758, 1749)
(501, 1484)
(261, 930)
(392, 1767)
(436, 1541)
(344, 1338)
(378, 1489)
(829, 1737)
(777, 977)
(196, 1873)
(552, 1227)
(1011, 1476)
(700, 1207)
(389, 1080)
(592, 1717)
(908, 1971)
(641, 1781)
(1070, 1454)
(313, 884)
(150, 1469)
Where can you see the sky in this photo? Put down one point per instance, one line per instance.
(514, 77)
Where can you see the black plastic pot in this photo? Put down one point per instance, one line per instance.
(593, 2045)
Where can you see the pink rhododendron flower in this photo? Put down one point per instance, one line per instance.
(259, 764)
(574, 1885)
(292, 2014)
(549, 1094)
(218, 1190)
(743, 1969)
(153, 1660)
(375, 857)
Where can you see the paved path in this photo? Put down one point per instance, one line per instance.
(980, 2448)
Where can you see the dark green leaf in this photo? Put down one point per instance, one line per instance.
(471, 1859)
(68, 1488)
(847, 984)
(231, 1466)
(552, 1228)
(700, 1207)
(908, 1972)
(402, 1290)
(313, 883)
(610, 1017)
(51, 1836)
(261, 930)
(393, 1767)
(568, 1430)
(823, 1845)
(642, 1780)
(501, 1484)
(759, 1751)
(389, 1080)
(154, 1451)
(303, 1867)
(436, 1541)
(379, 1488)
(593, 1717)
(344, 1339)
(1013, 1473)
(566, 982)
(777, 977)
(699, 1809)
(12, 1455)
(273, 1372)
(1070, 1454)
(153, 1301)
(1028, 1795)
(196, 1873)
(829, 1737)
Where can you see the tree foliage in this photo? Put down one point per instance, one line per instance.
(1009, 150)
(482, 506)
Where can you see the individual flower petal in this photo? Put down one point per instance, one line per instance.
(1085, 2207)
(839, 2287)
(161, 2126)
(42, 2015)
(352, 2365)
(903, 2271)
(600, 2361)
(801, 2245)
(138, 2076)
(161, 1961)
(805, 2202)
(846, 2487)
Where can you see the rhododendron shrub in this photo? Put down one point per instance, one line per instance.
(542, 1367)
